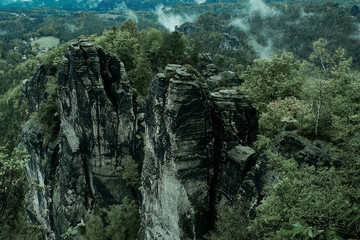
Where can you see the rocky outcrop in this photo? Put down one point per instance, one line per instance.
(40, 173)
(224, 79)
(44, 159)
(175, 189)
(98, 124)
(188, 28)
(291, 145)
(188, 134)
(229, 43)
(193, 145)
(235, 128)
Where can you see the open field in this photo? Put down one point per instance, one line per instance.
(46, 42)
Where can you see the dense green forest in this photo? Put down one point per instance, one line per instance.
(299, 63)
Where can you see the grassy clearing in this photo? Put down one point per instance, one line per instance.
(46, 42)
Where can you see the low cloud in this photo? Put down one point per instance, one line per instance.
(304, 14)
(263, 51)
(258, 6)
(170, 20)
(132, 15)
(241, 23)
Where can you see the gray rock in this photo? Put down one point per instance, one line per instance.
(188, 133)
(240, 160)
(291, 145)
(175, 191)
(229, 43)
(192, 145)
(33, 91)
(224, 79)
(97, 134)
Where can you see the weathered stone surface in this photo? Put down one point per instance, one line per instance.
(235, 126)
(291, 145)
(33, 91)
(97, 134)
(97, 126)
(234, 117)
(39, 172)
(192, 144)
(175, 189)
(188, 133)
(240, 160)
(224, 79)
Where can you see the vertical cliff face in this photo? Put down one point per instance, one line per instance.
(235, 128)
(95, 105)
(97, 125)
(188, 132)
(175, 171)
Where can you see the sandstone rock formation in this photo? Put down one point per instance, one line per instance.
(291, 145)
(223, 79)
(188, 133)
(175, 189)
(193, 145)
(95, 105)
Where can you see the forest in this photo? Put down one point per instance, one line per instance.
(297, 61)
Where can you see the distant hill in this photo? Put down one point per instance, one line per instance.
(94, 4)
(141, 5)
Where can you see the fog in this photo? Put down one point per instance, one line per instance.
(170, 20)
(258, 6)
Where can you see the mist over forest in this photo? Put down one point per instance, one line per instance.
(188, 119)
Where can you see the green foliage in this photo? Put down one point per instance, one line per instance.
(118, 223)
(130, 173)
(301, 196)
(173, 47)
(48, 115)
(152, 40)
(287, 114)
(13, 189)
(123, 43)
(11, 116)
(69, 234)
(269, 79)
(130, 27)
(301, 202)
(232, 222)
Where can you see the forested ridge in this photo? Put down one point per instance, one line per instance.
(297, 61)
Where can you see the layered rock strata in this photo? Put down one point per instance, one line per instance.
(175, 189)
(188, 132)
(95, 105)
